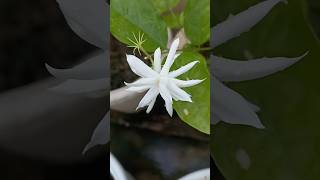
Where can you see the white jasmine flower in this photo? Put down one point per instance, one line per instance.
(228, 105)
(159, 80)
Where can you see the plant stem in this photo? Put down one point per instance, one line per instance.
(147, 54)
(205, 49)
(196, 49)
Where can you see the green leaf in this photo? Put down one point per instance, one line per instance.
(197, 21)
(164, 5)
(197, 113)
(174, 20)
(128, 17)
(288, 148)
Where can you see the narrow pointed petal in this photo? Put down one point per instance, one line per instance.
(88, 19)
(187, 83)
(170, 58)
(254, 107)
(165, 94)
(231, 107)
(233, 70)
(150, 106)
(216, 119)
(138, 89)
(174, 96)
(142, 82)
(82, 86)
(240, 23)
(95, 67)
(157, 60)
(176, 56)
(139, 67)
(179, 93)
(169, 108)
(100, 135)
(150, 95)
(182, 70)
(116, 170)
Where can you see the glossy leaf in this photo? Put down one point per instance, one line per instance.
(164, 5)
(128, 17)
(174, 20)
(197, 113)
(197, 21)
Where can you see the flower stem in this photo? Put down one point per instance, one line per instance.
(205, 49)
(195, 49)
(147, 54)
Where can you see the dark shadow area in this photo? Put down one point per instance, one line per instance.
(48, 146)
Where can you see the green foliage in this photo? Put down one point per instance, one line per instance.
(197, 113)
(128, 17)
(164, 5)
(197, 21)
(174, 20)
(289, 100)
(152, 18)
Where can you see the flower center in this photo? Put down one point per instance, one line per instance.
(162, 80)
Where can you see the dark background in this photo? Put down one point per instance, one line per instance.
(34, 33)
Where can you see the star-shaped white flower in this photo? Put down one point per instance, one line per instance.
(159, 80)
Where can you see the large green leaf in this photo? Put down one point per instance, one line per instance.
(128, 17)
(164, 5)
(197, 21)
(197, 113)
(288, 148)
(174, 20)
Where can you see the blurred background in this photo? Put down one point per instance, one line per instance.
(42, 134)
(288, 147)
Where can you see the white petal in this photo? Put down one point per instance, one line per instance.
(178, 93)
(202, 174)
(182, 70)
(187, 83)
(150, 95)
(142, 82)
(157, 60)
(165, 94)
(233, 70)
(150, 106)
(230, 107)
(176, 56)
(88, 19)
(170, 58)
(82, 86)
(95, 67)
(254, 107)
(101, 133)
(138, 89)
(240, 23)
(116, 170)
(139, 67)
(169, 108)
(216, 119)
